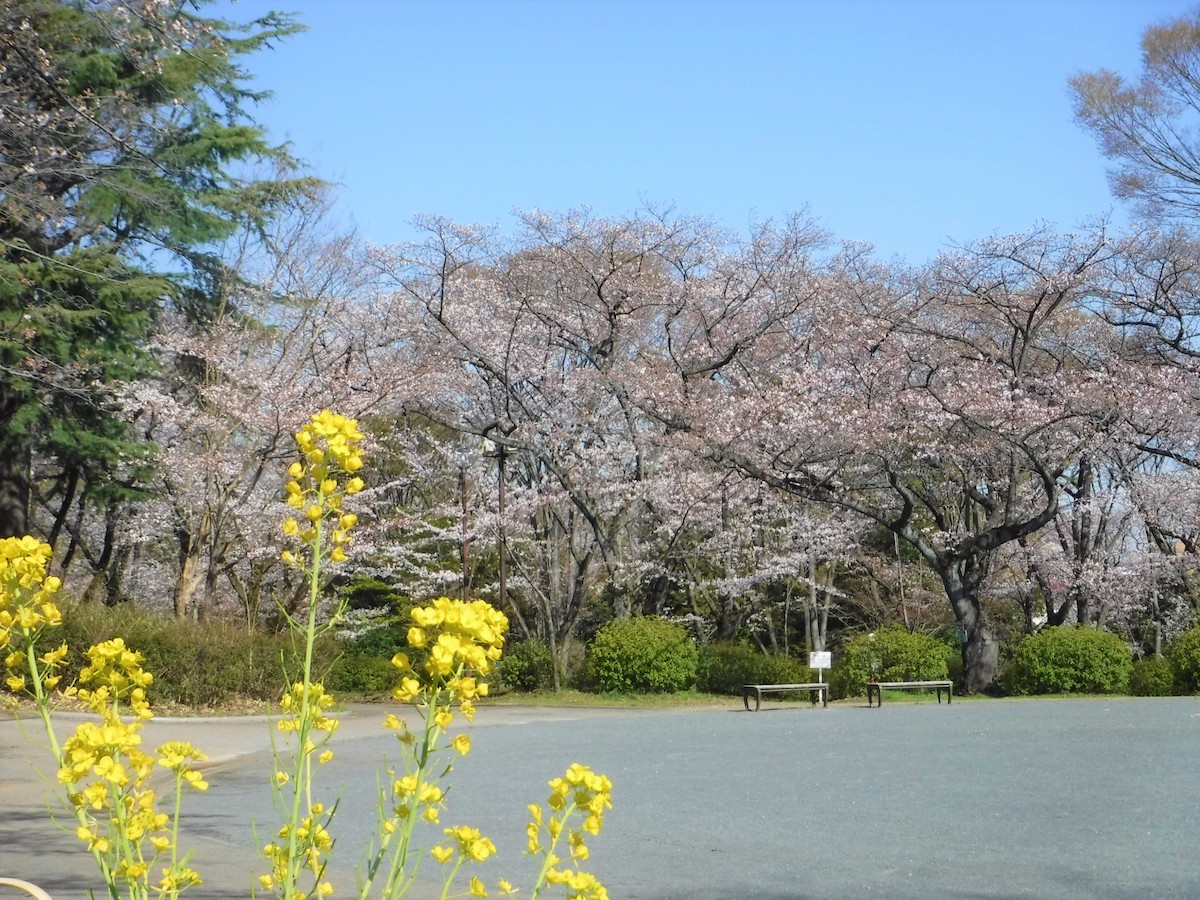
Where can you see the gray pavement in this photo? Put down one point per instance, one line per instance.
(984, 799)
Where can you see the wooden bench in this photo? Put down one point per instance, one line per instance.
(757, 690)
(877, 688)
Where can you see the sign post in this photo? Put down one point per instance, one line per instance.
(820, 660)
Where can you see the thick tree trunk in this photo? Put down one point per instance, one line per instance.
(981, 656)
(14, 489)
(981, 659)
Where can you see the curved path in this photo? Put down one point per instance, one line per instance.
(987, 799)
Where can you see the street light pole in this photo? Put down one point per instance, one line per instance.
(501, 457)
(462, 486)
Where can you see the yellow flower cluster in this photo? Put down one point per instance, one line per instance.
(585, 790)
(468, 843)
(458, 642)
(330, 445)
(582, 791)
(412, 793)
(319, 482)
(117, 673)
(313, 841)
(107, 774)
(462, 640)
(27, 608)
(581, 885)
(319, 702)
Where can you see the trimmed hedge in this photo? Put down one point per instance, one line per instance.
(642, 654)
(725, 666)
(889, 654)
(1069, 660)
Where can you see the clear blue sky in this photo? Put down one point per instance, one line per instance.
(909, 124)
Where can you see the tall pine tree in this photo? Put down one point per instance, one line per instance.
(125, 137)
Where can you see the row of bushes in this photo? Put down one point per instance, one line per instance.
(1090, 661)
(209, 665)
(193, 665)
(651, 655)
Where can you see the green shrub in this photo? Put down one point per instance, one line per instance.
(953, 650)
(526, 666)
(1069, 661)
(889, 654)
(356, 673)
(384, 641)
(643, 653)
(363, 592)
(1184, 655)
(1152, 676)
(725, 666)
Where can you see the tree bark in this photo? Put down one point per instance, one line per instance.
(14, 489)
(981, 655)
(191, 547)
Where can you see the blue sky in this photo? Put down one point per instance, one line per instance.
(908, 124)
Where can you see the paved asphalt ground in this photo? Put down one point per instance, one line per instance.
(983, 799)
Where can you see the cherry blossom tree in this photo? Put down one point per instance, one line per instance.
(540, 344)
(951, 406)
(296, 335)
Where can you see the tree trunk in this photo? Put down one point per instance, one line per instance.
(70, 489)
(189, 573)
(981, 656)
(14, 489)
(116, 577)
(101, 588)
(981, 659)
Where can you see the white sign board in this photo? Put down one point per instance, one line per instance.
(820, 660)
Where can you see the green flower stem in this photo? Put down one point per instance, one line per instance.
(541, 879)
(123, 847)
(395, 885)
(175, 826)
(302, 774)
(449, 879)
